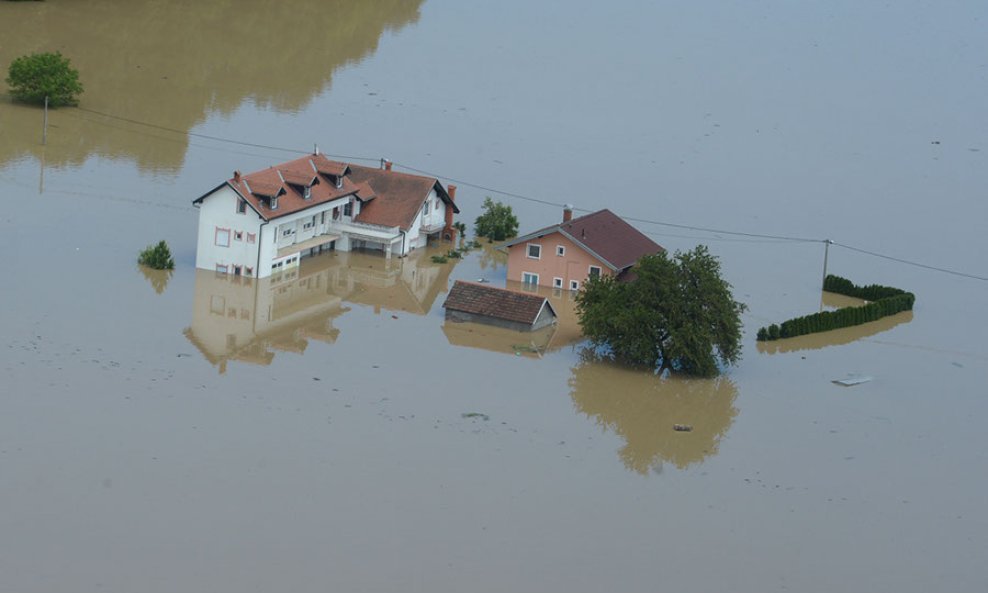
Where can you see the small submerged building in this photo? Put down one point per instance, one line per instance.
(479, 303)
(263, 222)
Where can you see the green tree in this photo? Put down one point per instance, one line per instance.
(32, 78)
(675, 313)
(158, 257)
(497, 223)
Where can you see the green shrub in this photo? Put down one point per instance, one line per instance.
(439, 259)
(157, 256)
(454, 254)
(32, 78)
(762, 334)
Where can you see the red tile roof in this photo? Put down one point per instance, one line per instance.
(399, 196)
(500, 303)
(284, 180)
(389, 198)
(604, 235)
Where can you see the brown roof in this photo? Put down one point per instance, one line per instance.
(500, 303)
(284, 180)
(604, 235)
(389, 198)
(399, 196)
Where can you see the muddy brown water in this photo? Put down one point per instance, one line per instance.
(329, 430)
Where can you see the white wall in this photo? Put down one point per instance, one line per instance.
(219, 210)
(436, 216)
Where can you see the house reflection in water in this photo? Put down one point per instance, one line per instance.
(642, 408)
(248, 319)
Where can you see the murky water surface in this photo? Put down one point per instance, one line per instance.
(328, 430)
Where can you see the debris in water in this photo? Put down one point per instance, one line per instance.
(483, 417)
(852, 381)
(682, 427)
(957, 364)
(481, 280)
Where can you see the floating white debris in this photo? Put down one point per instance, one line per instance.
(852, 381)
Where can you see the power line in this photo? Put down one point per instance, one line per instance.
(911, 263)
(537, 200)
(218, 138)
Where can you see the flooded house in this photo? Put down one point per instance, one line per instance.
(565, 255)
(263, 222)
(479, 303)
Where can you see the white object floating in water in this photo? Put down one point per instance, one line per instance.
(852, 381)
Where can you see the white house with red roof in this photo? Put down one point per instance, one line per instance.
(266, 221)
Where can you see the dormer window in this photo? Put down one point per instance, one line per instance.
(306, 192)
(339, 181)
(273, 203)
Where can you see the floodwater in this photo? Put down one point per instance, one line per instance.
(327, 430)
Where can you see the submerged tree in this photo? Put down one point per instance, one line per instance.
(497, 223)
(158, 257)
(33, 77)
(675, 313)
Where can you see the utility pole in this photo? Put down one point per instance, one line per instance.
(44, 133)
(826, 255)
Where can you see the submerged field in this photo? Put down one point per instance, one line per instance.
(163, 433)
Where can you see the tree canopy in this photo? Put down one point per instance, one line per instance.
(673, 313)
(158, 257)
(497, 223)
(32, 78)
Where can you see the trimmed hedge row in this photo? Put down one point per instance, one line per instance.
(872, 292)
(886, 301)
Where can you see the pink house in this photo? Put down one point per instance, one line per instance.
(564, 255)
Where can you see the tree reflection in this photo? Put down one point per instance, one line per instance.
(642, 408)
(173, 64)
(158, 278)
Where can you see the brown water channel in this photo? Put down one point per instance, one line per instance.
(326, 429)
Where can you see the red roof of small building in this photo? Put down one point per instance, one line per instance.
(604, 235)
(500, 303)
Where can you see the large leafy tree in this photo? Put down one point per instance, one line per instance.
(674, 313)
(32, 78)
(498, 222)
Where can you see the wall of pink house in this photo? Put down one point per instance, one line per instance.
(573, 265)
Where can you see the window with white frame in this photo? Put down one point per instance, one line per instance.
(594, 271)
(251, 238)
(557, 282)
(238, 235)
(288, 232)
(529, 278)
(560, 250)
(241, 206)
(534, 251)
(222, 269)
(574, 285)
(222, 237)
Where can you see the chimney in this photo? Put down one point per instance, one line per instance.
(236, 177)
(387, 165)
(315, 149)
(449, 231)
(567, 212)
(382, 162)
